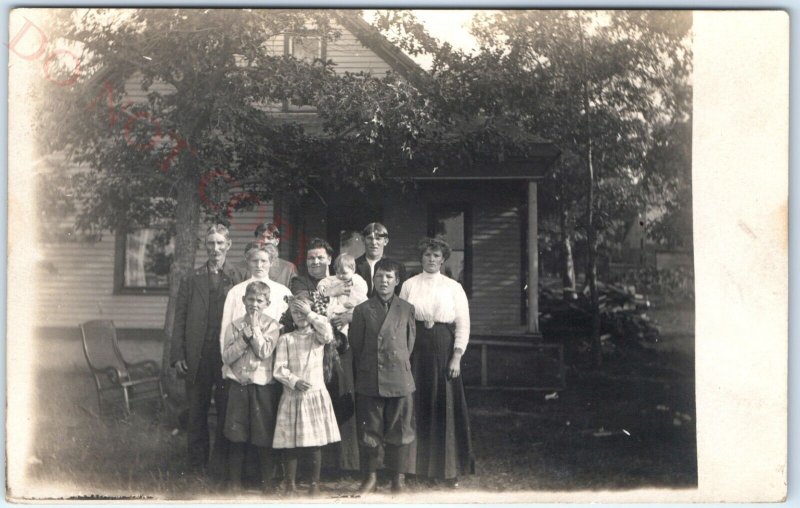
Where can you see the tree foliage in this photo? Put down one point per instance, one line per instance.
(211, 120)
(608, 87)
(530, 69)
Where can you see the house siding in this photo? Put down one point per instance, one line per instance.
(135, 93)
(350, 55)
(346, 52)
(76, 281)
(496, 300)
(78, 285)
(496, 273)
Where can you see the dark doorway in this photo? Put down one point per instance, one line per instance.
(347, 220)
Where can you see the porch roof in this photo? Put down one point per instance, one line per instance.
(533, 167)
(487, 150)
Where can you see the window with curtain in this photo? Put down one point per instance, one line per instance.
(144, 258)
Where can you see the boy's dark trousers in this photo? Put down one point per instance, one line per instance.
(387, 421)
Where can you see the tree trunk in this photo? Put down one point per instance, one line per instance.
(591, 233)
(591, 275)
(187, 218)
(591, 264)
(567, 263)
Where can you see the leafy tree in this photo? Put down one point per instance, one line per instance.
(208, 126)
(597, 83)
(671, 154)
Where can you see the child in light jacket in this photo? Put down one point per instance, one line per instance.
(253, 394)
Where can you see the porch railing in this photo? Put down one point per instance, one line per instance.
(551, 356)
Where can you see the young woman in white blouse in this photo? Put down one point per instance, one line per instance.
(443, 448)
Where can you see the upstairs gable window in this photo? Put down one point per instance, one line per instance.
(307, 48)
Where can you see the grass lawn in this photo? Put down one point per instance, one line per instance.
(629, 425)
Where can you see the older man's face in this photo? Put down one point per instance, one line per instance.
(217, 248)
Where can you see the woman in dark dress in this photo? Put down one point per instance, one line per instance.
(443, 448)
(341, 387)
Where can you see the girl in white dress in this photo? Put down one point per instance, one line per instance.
(306, 420)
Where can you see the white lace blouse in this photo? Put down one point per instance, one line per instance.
(438, 298)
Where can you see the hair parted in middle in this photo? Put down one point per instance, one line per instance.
(253, 247)
(433, 244)
(257, 288)
(377, 228)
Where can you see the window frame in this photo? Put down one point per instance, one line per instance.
(120, 249)
(288, 48)
(466, 209)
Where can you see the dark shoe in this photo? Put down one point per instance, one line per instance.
(314, 490)
(452, 483)
(398, 483)
(368, 485)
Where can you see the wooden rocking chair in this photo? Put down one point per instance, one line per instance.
(112, 374)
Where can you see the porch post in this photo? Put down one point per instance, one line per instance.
(533, 259)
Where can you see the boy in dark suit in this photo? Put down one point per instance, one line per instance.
(382, 337)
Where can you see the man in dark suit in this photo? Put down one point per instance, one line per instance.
(382, 337)
(376, 237)
(195, 351)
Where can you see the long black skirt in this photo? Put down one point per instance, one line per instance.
(343, 455)
(443, 448)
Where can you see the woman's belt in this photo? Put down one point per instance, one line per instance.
(431, 324)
